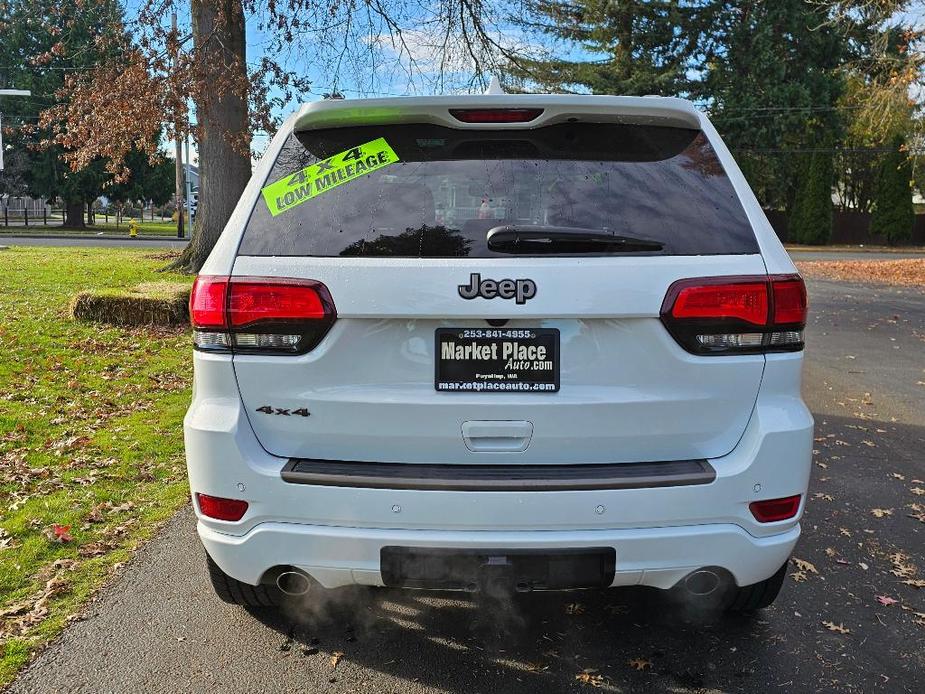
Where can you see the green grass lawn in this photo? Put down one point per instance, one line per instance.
(147, 228)
(90, 437)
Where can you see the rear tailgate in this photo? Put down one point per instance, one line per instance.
(394, 237)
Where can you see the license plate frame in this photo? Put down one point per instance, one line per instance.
(481, 368)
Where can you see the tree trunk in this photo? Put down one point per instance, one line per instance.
(74, 214)
(224, 137)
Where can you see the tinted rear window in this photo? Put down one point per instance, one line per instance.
(444, 189)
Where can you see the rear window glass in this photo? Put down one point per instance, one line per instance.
(432, 191)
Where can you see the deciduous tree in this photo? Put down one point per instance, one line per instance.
(208, 68)
(42, 42)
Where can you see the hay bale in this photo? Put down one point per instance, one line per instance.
(149, 303)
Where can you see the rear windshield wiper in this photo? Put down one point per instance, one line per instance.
(534, 238)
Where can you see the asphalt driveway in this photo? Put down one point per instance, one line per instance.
(846, 621)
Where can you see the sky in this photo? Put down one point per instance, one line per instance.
(374, 65)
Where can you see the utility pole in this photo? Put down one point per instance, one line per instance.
(189, 187)
(178, 133)
(9, 92)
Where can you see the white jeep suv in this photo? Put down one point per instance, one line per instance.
(536, 342)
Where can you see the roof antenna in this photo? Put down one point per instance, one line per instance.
(494, 87)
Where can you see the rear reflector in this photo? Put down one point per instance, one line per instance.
(259, 314)
(221, 508)
(772, 510)
(495, 115)
(723, 315)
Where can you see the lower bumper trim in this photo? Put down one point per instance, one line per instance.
(499, 478)
(508, 569)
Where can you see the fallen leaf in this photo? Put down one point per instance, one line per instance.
(59, 533)
(588, 677)
(574, 608)
(886, 600)
(798, 576)
(21, 616)
(639, 664)
(804, 565)
(918, 491)
(897, 476)
(914, 582)
(824, 497)
(335, 659)
(881, 512)
(6, 540)
(839, 628)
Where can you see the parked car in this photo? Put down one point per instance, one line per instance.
(528, 342)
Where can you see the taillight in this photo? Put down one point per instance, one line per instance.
(771, 510)
(740, 315)
(221, 508)
(259, 314)
(207, 302)
(495, 115)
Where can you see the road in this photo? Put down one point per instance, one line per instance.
(101, 241)
(158, 628)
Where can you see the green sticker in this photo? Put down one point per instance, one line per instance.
(284, 194)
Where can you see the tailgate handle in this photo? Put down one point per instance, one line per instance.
(493, 436)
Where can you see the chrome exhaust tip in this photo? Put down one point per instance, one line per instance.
(293, 582)
(702, 582)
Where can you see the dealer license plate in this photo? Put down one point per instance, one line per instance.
(502, 360)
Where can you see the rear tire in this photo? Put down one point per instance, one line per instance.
(234, 592)
(757, 596)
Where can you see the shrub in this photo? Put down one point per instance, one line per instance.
(893, 214)
(811, 220)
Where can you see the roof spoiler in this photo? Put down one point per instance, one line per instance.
(557, 108)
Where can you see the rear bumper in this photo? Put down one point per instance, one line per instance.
(659, 534)
(657, 557)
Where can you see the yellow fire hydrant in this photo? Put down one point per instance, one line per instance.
(132, 228)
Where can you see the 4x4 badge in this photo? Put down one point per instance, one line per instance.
(269, 409)
(521, 290)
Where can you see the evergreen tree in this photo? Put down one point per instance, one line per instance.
(773, 76)
(893, 214)
(811, 219)
(636, 47)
